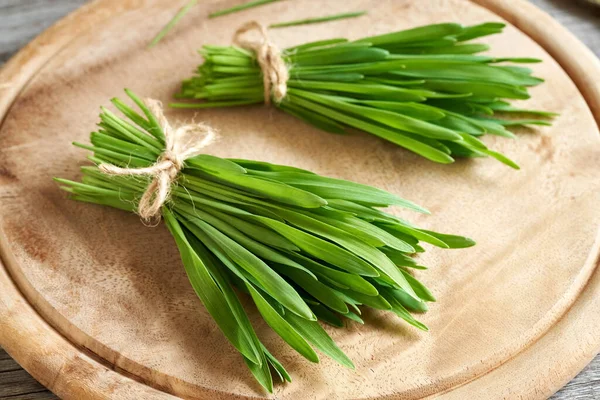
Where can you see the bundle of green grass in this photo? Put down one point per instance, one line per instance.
(426, 89)
(304, 247)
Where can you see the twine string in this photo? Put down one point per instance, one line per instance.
(180, 144)
(274, 71)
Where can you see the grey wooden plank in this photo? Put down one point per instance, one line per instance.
(8, 364)
(3, 355)
(579, 17)
(45, 395)
(18, 382)
(21, 20)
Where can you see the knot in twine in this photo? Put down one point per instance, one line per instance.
(275, 73)
(180, 144)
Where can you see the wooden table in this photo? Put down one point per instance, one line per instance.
(21, 20)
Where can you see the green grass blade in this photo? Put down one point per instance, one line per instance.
(241, 7)
(176, 18)
(316, 335)
(208, 291)
(316, 20)
(274, 284)
(281, 326)
(322, 249)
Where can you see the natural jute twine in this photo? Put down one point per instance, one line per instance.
(180, 144)
(275, 73)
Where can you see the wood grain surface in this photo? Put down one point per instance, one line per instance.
(550, 149)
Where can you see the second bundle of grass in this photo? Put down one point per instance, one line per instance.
(425, 89)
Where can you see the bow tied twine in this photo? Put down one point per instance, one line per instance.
(180, 144)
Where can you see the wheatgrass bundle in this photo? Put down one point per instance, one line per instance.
(426, 89)
(303, 248)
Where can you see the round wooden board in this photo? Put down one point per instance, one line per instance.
(97, 306)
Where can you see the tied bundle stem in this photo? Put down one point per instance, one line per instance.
(301, 247)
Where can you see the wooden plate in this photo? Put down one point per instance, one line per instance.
(95, 305)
